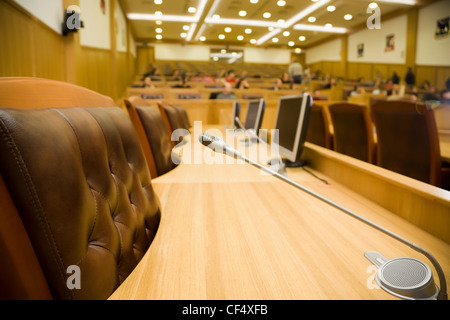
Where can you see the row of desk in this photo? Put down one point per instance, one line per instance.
(229, 231)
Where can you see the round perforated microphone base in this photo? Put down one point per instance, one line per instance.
(407, 278)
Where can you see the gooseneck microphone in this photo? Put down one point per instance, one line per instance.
(421, 290)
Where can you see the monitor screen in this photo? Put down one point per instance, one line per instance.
(236, 113)
(291, 126)
(255, 113)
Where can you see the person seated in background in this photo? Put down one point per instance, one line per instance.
(182, 83)
(148, 83)
(357, 91)
(445, 94)
(226, 93)
(242, 84)
(231, 77)
(388, 86)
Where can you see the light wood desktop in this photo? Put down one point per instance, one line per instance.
(229, 231)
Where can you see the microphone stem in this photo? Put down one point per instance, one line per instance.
(443, 286)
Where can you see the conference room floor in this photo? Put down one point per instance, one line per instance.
(231, 231)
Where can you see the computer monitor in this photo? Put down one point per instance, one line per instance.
(255, 113)
(236, 114)
(291, 127)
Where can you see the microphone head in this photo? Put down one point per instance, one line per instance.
(218, 145)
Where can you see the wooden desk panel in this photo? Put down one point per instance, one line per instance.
(230, 232)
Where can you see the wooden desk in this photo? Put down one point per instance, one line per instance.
(230, 232)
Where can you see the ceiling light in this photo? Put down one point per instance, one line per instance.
(221, 36)
(253, 41)
(302, 38)
(158, 13)
(242, 22)
(223, 51)
(291, 43)
(158, 36)
(407, 2)
(286, 33)
(158, 22)
(328, 25)
(331, 8)
(239, 37)
(202, 38)
(298, 50)
(319, 28)
(281, 3)
(271, 28)
(185, 27)
(158, 30)
(281, 21)
(242, 13)
(183, 35)
(348, 17)
(192, 10)
(373, 5)
(275, 40)
(216, 17)
(267, 15)
(227, 29)
(312, 19)
(248, 31)
(254, 1)
(158, 1)
(267, 36)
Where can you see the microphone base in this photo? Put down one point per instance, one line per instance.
(296, 164)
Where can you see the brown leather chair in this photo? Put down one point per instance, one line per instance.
(174, 120)
(319, 127)
(156, 136)
(408, 140)
(75, 191)
(353, 131)
(186, 123)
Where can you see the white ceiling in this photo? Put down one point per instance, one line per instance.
(294, 13)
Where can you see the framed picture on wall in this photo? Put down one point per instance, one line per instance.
(360, 50)
(442, 26)
(390, 43)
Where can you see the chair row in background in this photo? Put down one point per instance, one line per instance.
(400, 136)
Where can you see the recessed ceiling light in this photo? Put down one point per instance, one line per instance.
(298, 50)
(248, 31)
(158, 30)
(202, 38)
(253, 41)
(291, 43)
(186, 27)
(192, 10)
(281, 3)
(239, 37)
(302, 38)
(158, 22)
(227, 29)
(254, 1)
(348, 17)
(158, 13)
(328, 25)
(216, 17)
(267, 15)
(242, 13)
(286, 33)
(373, 5)
(275, 40)
(271, 28)
(158, 36)
(158, 1)
(281, 21)
(331, 8)
(223, 51)
(312, 19)
(183, 35)
(221, 36)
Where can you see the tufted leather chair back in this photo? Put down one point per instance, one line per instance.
(79, 192)
(353, 131)
(408, 141)
(318, 127)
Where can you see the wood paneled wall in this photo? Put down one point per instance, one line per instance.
(32, 49)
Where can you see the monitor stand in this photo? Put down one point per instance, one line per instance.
(296, 164)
